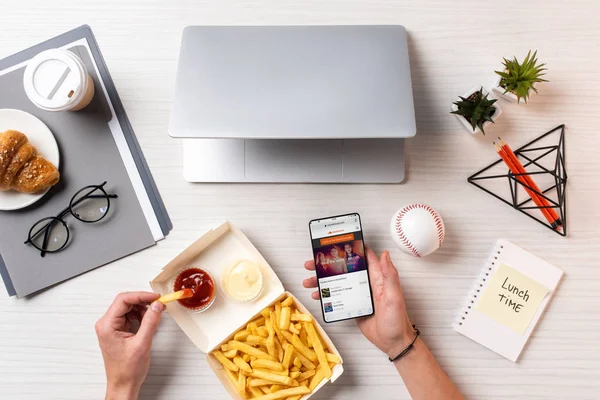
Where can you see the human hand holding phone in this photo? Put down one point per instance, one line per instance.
(389, 328)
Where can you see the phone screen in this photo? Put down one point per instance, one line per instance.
(341, 267)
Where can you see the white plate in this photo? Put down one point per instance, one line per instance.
(39, 136)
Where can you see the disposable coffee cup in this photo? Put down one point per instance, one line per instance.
(57, 80)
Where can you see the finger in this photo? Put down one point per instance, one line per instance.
(374, 267)
(124, 302)
(315, 295)
(150, 323)
(310, 265)
(391, 280)
(310, 282)
(375, 275)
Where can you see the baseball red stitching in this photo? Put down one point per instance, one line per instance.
(436, 219)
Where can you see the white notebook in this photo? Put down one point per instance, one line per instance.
(507, 300)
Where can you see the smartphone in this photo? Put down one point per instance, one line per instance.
(341, 267)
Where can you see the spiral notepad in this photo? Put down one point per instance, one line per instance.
(507, 299)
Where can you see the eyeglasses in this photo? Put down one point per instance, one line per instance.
(51, 234)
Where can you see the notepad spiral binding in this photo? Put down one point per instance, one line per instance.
(484, 275)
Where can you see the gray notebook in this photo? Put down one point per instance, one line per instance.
(89, 156)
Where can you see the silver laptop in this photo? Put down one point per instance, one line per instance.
(293, 103)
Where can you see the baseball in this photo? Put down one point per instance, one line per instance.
(417, 229)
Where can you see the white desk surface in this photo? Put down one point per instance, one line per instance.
(48, 348)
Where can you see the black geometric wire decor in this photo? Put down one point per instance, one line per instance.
(544, 163)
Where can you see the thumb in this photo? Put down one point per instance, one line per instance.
(391, 280)
(150, 322)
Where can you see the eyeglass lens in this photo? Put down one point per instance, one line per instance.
(90, 204)
(53, 231)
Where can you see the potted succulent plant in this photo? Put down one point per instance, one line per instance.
(475, 110)
(518, 80)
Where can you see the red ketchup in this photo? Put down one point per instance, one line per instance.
(201, 283)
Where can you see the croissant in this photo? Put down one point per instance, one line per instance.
(21, 167)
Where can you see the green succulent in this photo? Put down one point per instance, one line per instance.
(520, 78)
(476, 109)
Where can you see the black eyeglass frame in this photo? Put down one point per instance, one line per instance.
(69, 210)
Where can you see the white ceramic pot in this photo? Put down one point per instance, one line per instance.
(510, 96)
(466, 123)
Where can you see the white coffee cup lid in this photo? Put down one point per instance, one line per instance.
(55, 80)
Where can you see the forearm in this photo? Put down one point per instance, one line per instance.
(423, 376)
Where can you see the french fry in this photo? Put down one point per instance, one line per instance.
(296, 397)
(316, 379)
(294, 369)
(256, 340)
(287, 335)
(244, 348)
(285, 393)
(246, 357)
(277, 312)
(318, 346)
(278, 349)
(241, 335)
(256, 392)
(293, 329)
(333, 358)
(287, 357)
(284, 318)
(230, 353)
(306, 375)
(264, 349)
(280, 373)
(302, 349)
(267, 364)
(308, 341)
(246, 374)
(304, 382)
(256, 382)
(258, 373)
(232, 377)
(266, 312)
(276, 387)
(295, 374)
(260, 321)
(225, 361)
(253, 328)
(251, 358)
(304, 361)
(225, 347)
(331, 365)
(287, 302)
(241, 383)
(265, 389)
(297, 363)
(304, 337)
(301, 317)
(243, 365)
(269, 326)
(275, 325)
(271, 347)
(262, 331)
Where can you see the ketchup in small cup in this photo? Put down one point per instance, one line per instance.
(201, 284)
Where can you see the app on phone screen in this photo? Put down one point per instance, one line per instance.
(341, 267)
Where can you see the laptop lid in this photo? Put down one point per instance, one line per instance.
(293, 82)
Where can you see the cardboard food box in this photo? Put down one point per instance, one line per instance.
(214, 252)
